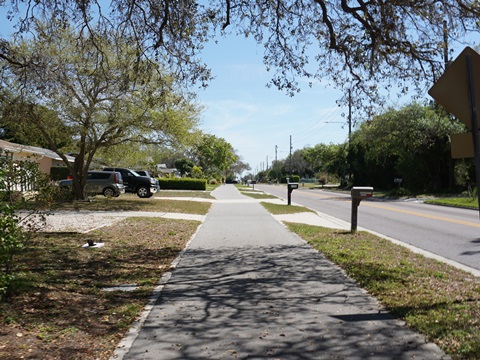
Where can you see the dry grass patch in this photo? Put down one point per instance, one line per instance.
(181, 193)
(58, 308)
(131, 202)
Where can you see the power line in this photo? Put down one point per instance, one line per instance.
(330, 117)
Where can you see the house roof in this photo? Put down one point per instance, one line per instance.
(18, 148)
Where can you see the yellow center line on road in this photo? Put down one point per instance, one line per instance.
(408, 212)
(414, 213)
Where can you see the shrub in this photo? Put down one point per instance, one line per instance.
(20, 181)
(183, 184)
(323, 180)
(197, 172)
(11, 242)
(399, 192)
(59, 172)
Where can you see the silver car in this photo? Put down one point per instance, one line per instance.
(107, 183)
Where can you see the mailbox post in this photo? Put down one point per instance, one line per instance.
(290, 187)
(358, 193)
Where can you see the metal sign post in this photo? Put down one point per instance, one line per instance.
(474, 120)
(354, 215)
(455, 91)
(358, 193)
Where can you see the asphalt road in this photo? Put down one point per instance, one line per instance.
(449, 232)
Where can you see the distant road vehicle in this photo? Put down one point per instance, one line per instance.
(143, 186)
(107, 183)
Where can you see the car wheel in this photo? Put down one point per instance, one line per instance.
(108, 192)
(143, 192)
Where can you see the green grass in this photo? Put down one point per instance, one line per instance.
(251, 192)
(258, 195)
(436, 299)
(279, 209)
(211, 187)
(463, 202)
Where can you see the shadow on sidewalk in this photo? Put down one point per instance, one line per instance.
(281, 302)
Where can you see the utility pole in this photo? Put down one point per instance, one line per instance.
(291, 169)
(445, 43)
(276, 164)
(349, 115)
(267, 163)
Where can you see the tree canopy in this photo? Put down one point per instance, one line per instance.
(214, 155)
(411, 143)
(102, 93)
(360, 46)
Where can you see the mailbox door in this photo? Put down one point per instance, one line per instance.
(362, 192)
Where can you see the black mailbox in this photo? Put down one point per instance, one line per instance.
(290, 187)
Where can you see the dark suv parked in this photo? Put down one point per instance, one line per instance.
(147, 174)
(143, 186)
(108, 183)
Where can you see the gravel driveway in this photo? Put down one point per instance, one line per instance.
(75, 221)
(85, 221)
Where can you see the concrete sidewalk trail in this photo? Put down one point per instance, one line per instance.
(247, 288)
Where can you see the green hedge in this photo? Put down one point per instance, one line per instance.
(183, 184)
(59, 172)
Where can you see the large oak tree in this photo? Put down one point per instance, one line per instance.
(101, 90)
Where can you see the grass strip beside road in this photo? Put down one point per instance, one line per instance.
(58, 308)
(462, 202)
(258, 195)
(436, 299)
(255, 194)
(279, 209)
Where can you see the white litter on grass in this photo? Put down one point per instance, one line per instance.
(94, 246)
(124, 287)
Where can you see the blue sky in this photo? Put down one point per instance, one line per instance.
(253, 118)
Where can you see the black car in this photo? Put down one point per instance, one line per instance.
(143, 186)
